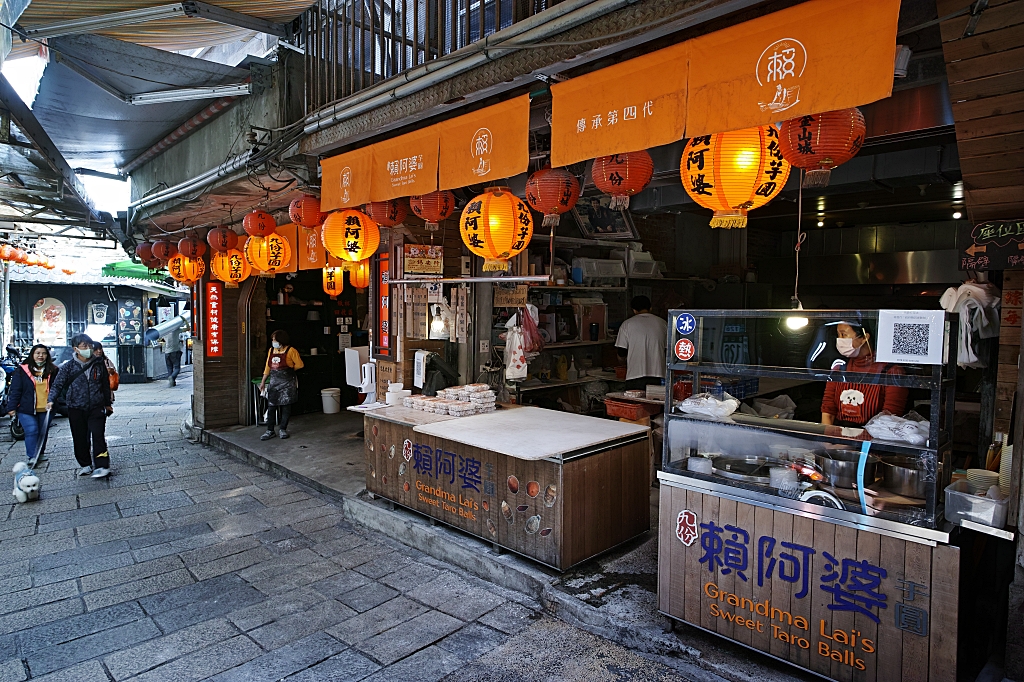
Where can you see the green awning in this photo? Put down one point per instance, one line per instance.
(127, 268)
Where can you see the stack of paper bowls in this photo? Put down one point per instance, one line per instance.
(980, 480)
(1005, 466)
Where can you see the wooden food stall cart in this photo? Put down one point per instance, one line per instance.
(556, 487)
(823, 545)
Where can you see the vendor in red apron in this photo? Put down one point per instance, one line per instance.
(282, 384)
(848, 404)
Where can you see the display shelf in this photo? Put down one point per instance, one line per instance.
(618, 395)
(988, 530)
(540, 386)
(569, 344)
(806, 375)
(576, 287)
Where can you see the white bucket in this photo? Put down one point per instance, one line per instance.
(332, 400)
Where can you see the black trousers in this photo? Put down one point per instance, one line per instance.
(90, 425)
(279, 415)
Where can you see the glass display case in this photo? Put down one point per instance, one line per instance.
(837, 414)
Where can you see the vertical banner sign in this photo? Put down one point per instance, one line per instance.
(214, 317)
(384, 311)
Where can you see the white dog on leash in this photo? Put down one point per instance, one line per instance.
(26, 483)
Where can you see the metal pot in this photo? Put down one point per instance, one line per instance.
(903, 475)
(840, 468)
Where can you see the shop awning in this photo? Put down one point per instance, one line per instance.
(818, 56)
(488, 145)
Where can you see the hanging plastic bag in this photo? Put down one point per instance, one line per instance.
(709, 406)
(913, 428)
(515, 353)
(533, 342)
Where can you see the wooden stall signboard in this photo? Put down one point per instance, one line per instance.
(843, 603)
(557, 514)
(992, 245)
(511, 297)
(423, 259)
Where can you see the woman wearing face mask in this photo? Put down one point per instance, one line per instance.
(30, 389)
(283, 385)
(846, 404)
(87, 385)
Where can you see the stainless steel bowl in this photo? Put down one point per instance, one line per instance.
(840, 468)
(903, 475)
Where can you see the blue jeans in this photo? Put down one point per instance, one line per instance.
(33, 425)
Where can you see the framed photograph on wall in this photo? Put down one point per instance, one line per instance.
(597, 221)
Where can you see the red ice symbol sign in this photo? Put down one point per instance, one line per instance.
(684, 349)
(686, 527)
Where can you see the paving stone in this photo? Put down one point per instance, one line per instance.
(274, 608)
(231, 563)
(366, 597)
(385, 565)
(77, 570)
(473, 641)
(408, 578)
(20, 582)
(342, 583)
(182, 596)
(313, 525)
(220, 605)
(77, 517)
(139, 588)
(67, 629)
(377, 620)
(411, 636)
(239, 526)
(176, 546)
(204, 663)
(154, 503)
(300, 576)
(456, 597)
(293, 626)
(428, 665)
(134, 660)
(220, 550)
(282, 662)
(13, 670)
(360, 555)
(60, 656)
(169, 535)
(120, 529)
(347, 666)
(510, 618)
(126, 574)
(277, 565)
(91, 671)
(78, 555)
(25, 599)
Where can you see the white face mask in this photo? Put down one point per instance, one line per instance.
(846, 347)
(275, 344)
(84, 352)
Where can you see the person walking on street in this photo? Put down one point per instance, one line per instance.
(86, 383)
(30, 390)
(283, 385)
(172, 356)
(115, 378)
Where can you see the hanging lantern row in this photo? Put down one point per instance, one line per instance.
(334, 281)
(230, 267)
(191, 247)
(819, 143)
(387, 213)
(350, 235)
(552, 192)
(184, 269)
(497, 225)
(735, 172)
(13, 254)
(305, 211)
(222, 239)
(270, 254)
(622, 176)
(432, 208)
(259, 224)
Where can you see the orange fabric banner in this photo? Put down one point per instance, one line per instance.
(345, 179)
(310, 251)
(818, 56)
(638, 104)
(405, 165)
(485, 146)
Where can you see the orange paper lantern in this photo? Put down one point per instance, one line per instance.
(164, 250)
(32, 259)
(144, 251)
(732, 173)
(433, 207)
(359, 274)
(222, 239)
(184, 269)
(270, 254)
(496, 226)
(334, 281)
(191, 247)
(386, 213)
(230, 267)
(68, 271)
(6, 252)
(622, 175)
(350, 235)
(304, 211)
(259, 224)
(821, 142)
(552, 191)
(19, 256)
(49, 264)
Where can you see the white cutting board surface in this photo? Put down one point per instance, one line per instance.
(530, 432)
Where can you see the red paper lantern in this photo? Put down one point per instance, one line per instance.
(305, 211)
(386, 213)
(144, 251)
(164, 250)
(622, 175)
(153, 263)
(259, 224)
(222, 239)
(19, 256)
(821, 142)
(6, 252)
(191, 247)
(552, 191)
(433, 207)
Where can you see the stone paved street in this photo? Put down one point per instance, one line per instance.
(186, 564)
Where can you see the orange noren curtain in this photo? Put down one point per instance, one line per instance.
(485, 146)
(345, 179)
(405, 165)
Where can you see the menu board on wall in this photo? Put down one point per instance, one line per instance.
(130, 331)
(993, 245)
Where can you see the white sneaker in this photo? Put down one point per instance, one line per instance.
(85, 471)
(101, 473)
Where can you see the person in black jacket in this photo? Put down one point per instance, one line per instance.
(30, 390)
(89, 405)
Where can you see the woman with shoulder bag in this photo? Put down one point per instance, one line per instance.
(30, 388)
(115, 378)
(86, 382)
(283, 385)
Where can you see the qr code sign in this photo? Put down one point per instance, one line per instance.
(910, 339)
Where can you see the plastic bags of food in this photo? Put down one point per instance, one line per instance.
(709, 406)
(911, 429)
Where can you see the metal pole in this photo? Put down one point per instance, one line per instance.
(5, 308)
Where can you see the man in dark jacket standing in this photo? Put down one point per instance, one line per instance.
(89, 404)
